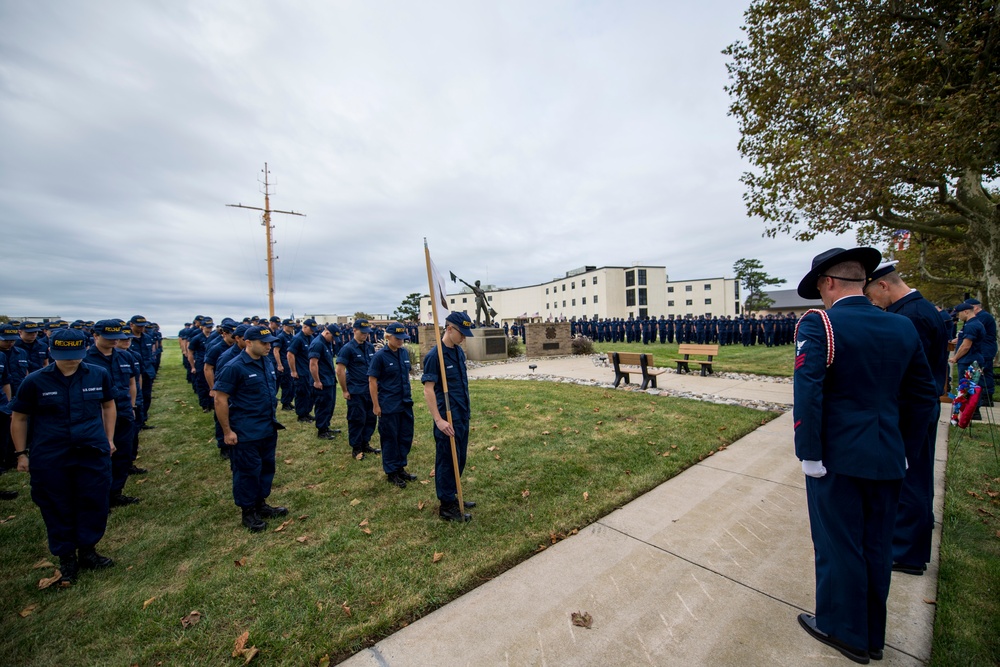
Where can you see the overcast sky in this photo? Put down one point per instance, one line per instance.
(522, 139)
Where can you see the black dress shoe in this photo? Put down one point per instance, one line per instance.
(875, 653)
(408, 476)
(136, 470)
(287, 408)
(808, 623)
(252, 520)
(368, 449)
(305, 420)
(396, 480)
(91, 560)
(915, 570)
(120, 500)
(266, 511)
(69, 569)
(8, 495)
(469, 504)
(150, 427)
(335, 431)
(452, 513)
(326, 435)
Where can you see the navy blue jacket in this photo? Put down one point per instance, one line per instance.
(931, 330)
(458, 380)
(392, 371)
(251, 386)
(356, 358)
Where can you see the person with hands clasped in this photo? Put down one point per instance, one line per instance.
(64, 417)
(392, 403)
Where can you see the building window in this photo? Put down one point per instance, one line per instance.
(670, 304)
(736, 287)
(642, 296)
(708, 287)
(688, 302)
(630, 297)
(595, 280)
(546, 306)
(708, 302)
(583, 301)
(574, 302)
(595, 298)
(564, 287)
(670, 290)
(629, 278)
(564, 300)
(465, 300)
(688, 288)
(642, 276)
(453, 301)
(572, 285)
(489, 297)
(546, 290)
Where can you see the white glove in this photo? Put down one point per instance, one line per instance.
(813, 468)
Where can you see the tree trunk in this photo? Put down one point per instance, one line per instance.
(984, 230)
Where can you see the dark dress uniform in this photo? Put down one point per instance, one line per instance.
(391, 371)
(70, 467)
(325, 398)
(356, 357)
(859, 417)
(299, 349)
(461, 413)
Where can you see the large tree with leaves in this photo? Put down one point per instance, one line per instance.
(409, 310)
(750, 273)
(873, 115)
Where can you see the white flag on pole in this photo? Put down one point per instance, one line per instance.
(440, 292)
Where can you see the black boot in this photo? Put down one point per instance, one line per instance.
(252, 521)
(120, 500)
(265, 511)
(8, 495)
(368, 449)
(396, 479)
(91, 560)
(408, 476)
(69, 568)
(450, 512)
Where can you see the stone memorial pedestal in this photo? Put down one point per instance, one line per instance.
(486, 344)
(548, 339)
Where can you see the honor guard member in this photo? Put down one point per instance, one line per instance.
(860, 408)
(457, 329)
(392, 403)
(322, 352)
(353, 361)
(911, 539)
(244, 403)
(35, 350)
(143, 344)
(298, 364)
(64, 416)
(119, 366)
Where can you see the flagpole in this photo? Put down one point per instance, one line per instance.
(444, 378)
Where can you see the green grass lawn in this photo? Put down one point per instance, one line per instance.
(967, 625)
(756, 359)
(360, 558)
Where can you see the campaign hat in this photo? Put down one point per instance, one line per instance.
(460, 321)
(397, 330)
(868, 257)
(258, 332)
(110, 329)
(68, 344)
(363, 324)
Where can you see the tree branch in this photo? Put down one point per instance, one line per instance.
(922, 266)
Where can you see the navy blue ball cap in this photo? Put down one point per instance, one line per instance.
(288, 323)
(207, 322)
(110, 329)
(261, 333)
(9, 332)
(309, 323)
(241, 330)
(397, 330)
(68, 344)
(138, 321)
(460, 321)
(973, 302)
(333, 328)
(29, 326)
(363, 324)
(275, 318)
(963, 306)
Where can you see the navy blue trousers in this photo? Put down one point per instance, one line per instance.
(444, 469)
(911, 539)
(851, 520)
(287, 388)
(73, 499)
(326, 401)
(361, 419)
(303, 394)
(121, 460)
(395, 431)
(252, 463)
(147, 396)
(200, 387)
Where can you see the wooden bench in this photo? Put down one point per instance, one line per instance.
(633, 362)
(687, 349)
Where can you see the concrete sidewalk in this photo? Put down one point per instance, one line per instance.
(709, 568)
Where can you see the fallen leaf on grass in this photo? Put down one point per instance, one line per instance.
(240, 644)
(420, 505)
(191, 619)
(722, 428)
(303, 517)
(545, 433)
(249, 654)
(302, 539)
(491, 448)
(45, 583)
(140, 481)
(288, 462)
(359, 456)
(992, 494)
(665, 454)
(355, 502)
(324, 661)
(241, 562)
(974, 495)
(673, 446)
(496, 456)
(525, 493)
(438, 555)
(586, 496)
(494, 426)
(432, 473)
(26, 612)
(930, 601)
(424, 481)
(584, 620)
(600, 422)
(364, 523)
(595, 409)
(366, 531)
(506, 407)
(40, 564)
(167, 471)
(284, 524)
(347, 610)
(148, 602)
